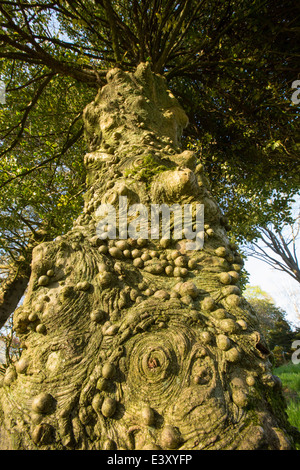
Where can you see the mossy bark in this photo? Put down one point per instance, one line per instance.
(136, 343)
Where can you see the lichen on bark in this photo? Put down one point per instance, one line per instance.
(140, 343)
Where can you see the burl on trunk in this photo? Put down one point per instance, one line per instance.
(140, 343)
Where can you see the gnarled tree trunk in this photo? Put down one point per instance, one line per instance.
(11, 291)
(136, 343)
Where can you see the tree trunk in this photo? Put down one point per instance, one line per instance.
(140, 343)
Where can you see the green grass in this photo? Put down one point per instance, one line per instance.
(289, 375)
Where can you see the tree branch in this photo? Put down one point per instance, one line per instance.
(36, 54)
(29, 107)
(11, 292)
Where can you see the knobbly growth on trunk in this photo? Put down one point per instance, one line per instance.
(136, 343)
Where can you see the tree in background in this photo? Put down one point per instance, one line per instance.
(10, 344)
(43, 204)
(277, 330)
(133, 343)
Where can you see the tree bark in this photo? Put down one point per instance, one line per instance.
(140, 343)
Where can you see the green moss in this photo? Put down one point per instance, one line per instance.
(147, 170)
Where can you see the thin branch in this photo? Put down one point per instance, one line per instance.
(114, 36)
(188, 25)
(38, 55)
(89, 20)
(139, 27)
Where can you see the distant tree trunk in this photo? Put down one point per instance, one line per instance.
(136, 343)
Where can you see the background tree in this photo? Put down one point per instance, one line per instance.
(231, 65)
(10, 344)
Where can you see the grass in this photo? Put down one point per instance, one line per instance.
(290, 378)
